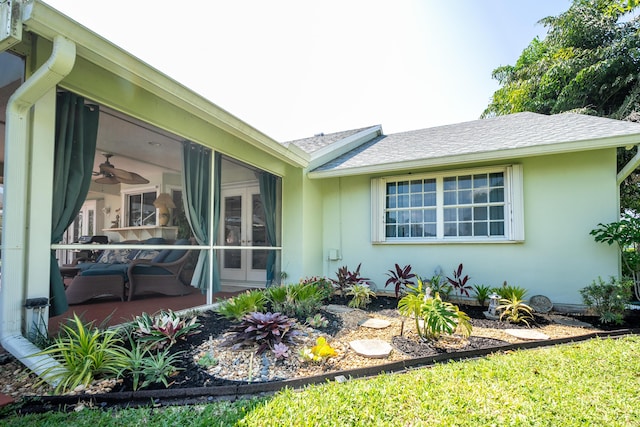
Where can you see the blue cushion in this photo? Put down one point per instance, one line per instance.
(178, 253)
(150, 270)
(155, 241)
(106, 270)
(161, 256)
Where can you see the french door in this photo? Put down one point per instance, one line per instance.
(244, 225)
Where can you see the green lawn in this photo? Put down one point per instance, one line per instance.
(594, 383)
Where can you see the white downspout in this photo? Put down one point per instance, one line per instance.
(14, 254)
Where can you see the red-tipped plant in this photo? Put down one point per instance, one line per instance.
(459, 282)
(401, 277)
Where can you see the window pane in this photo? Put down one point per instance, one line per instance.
(391, 188)
(450, 183)
(496, 212)
(450, 229)
(480, 181)
(480, 213)
(416, 186)
(391, 202)
(403, 217)
(480, 195)
(416, 200)
(464, 197)
(450, 198)
(464, 214)
(496, 179)
(480, 229)
(429, 185)
(403, 231)
(391, 217)
(416, 216)
(390, 231)
(403, 187)
(429, 230)
(451, 214)
(430, 199)
(496, 195)
(148, 210)
(497, 228)
(465, 229)
(430, 215)
(464, 182)
(403, 201)
(416, 230)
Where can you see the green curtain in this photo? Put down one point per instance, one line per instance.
(196, 184)
(75, 150)
(268, 187)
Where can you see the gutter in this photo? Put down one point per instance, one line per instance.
(14, 254)
(633, 164)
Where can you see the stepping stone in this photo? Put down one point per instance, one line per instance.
(373, 349)
(374, 323)
(335, 308)
(527, 334)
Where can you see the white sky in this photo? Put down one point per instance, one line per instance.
(296, 68)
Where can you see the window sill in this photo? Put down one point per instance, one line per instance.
(449, 242)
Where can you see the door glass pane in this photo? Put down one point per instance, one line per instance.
(232, 258)
(148, 210)
(135, 210)
(258, 233)
(91, 222)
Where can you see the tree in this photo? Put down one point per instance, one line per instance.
(589, 62)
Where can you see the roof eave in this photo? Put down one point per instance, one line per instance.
(484, 156)
(338, 148)
(47, 22)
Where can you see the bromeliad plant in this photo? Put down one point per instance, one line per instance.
(263, 330)
(400, 278)
(165, 329)
(360, 294)
(514, 310)
(460, 282)
(437, 317)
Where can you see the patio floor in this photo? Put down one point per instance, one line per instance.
(114, 311)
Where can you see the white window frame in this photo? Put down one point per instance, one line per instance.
(513, 200)
(125, 203)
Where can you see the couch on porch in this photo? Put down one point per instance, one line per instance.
(111, 274)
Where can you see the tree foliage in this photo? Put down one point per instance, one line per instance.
(589, 63)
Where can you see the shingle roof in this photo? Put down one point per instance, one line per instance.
(504, 133)
(317, 142)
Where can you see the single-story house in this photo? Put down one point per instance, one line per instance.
(93, 139)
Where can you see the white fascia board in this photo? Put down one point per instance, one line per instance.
(485, 156)
(47, 22)
(337, 149)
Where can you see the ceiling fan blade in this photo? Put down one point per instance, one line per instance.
(121, 174)
(107, 180)
(135, 179)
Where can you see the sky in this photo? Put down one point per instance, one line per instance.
(296, 68)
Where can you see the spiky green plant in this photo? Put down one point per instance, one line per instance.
(515, 310)
(237, 307)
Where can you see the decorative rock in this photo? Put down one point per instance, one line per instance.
(527, 334)
(375, 323)
(335, 308)
(540, 303)
(373, 349)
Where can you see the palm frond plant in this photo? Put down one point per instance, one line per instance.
(482, 293)
(515, 310)
(237, 307)
(400, 278)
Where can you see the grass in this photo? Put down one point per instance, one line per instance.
(593, 383)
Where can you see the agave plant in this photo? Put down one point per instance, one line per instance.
(400, 278)
(264, 330)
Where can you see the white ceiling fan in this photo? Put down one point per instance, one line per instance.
(109, 174)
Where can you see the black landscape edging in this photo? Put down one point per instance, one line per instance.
(34, 404)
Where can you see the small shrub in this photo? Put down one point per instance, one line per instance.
(482, 293)
(85, 353)
(440, 287)
(297, 300)
(164, 329)
(515, 310)
(459, 282)
(262, 329)
(509, 292)
(437, 316)
(400, 278)
(319, 352)
(346, 278)
(360, 294)
(247, 302)
(608, 299)
(322, 283)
